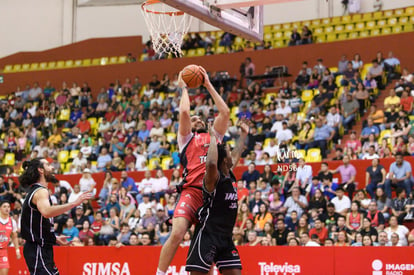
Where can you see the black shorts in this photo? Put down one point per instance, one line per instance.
(39, 259)
(207, 248)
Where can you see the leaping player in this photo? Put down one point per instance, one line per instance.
(193, 142)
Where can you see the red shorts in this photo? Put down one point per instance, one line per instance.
(191, 199)
(4, 260)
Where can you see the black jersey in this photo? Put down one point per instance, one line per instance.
(34, 227)
(219, 211)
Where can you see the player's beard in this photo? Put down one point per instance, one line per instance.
(201, 130)
(50, 177)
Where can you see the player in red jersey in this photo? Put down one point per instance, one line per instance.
(8, 229)
(193, 142)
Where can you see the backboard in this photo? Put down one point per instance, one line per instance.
(245, 20)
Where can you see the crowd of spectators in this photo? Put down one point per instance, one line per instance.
(132, 124)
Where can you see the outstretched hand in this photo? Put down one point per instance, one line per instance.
(205, 76)
(84, 196)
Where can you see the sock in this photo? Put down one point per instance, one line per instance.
(159, 272)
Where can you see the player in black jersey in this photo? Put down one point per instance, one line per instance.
(212, 241)
(37, 217)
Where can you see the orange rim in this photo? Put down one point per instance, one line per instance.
(145, 5)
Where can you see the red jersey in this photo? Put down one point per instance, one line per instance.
(193, 158)
(5, 231)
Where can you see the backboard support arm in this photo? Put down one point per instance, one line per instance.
(221, 18)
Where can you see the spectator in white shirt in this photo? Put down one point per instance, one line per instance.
(78, 161)
(296, 202)
(160, 185)
(87, 183)
(284, 109)
(272, 148)
(371, 154)
(145, 204)
(334, 120)
(342, 203)
(305, 240)
(303, 174)
(277, 125)
(285, 135)
(86, 149)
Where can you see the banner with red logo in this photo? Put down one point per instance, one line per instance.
(256, 261)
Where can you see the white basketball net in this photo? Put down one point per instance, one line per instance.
(167, 27)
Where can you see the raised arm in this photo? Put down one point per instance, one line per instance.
(184, 127)
(41, 199)
(238, 150)
(221, 121)
(211, 176)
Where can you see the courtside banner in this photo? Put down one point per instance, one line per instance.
(374, 260)
(256, 261)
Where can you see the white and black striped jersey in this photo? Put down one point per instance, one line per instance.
(34, 227)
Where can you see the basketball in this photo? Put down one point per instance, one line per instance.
(192, 76)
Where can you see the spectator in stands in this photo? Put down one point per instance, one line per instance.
(159, 185)
(400, 230)
(103, 159)
(399, 175)
(370, 153)
(320, 230)
(296, 202)
(376, 71)
(374, 177)
(348, 173)
(341, 202)
(349, 111)
(303, 175)
(391, 64)
(362, 96)
(376, 218)
(354, 217)
(302, 80)
(70, 230)
(383, 239)
(295, 38)
(342, 65)
(306, 35)
(406, 102)
(401, 128)
(305, 136)
(256, 202)
(306, 241)
(348, 74)
(129, 184)
(322, 135)
(127, 209)
(281, 232)
(285, 135)
(392, 99)
(334, 120)
(401, 205)
(251, 174)
(357, 63)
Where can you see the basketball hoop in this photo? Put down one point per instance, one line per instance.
(167, 27)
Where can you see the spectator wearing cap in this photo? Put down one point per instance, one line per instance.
(244, 113)
(322, 135)
(348, 173)
(341, 202)
(79, 217)
(303, 174)
(399, 175)
(330, 217)
(349, 110)
(86, 182)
